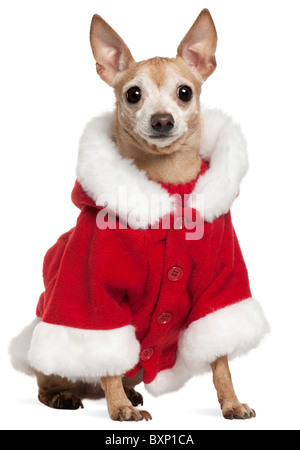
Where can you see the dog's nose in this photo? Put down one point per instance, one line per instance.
(162, 123)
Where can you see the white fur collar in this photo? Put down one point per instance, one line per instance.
(115, 182)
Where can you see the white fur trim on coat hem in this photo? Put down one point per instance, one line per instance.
(232, 331)
(170, 380)
(76, 354)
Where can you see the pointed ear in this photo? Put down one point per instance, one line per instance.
(199, 46)
(110, 51)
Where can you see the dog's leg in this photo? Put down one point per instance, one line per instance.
(59, 393)
(119, 406)
(230, 405)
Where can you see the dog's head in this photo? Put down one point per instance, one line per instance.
(158, 99)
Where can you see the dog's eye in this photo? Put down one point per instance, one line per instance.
(185, 93)
(134, 95)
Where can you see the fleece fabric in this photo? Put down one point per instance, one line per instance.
(123, 292)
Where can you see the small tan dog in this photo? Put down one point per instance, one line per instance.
(157, 125)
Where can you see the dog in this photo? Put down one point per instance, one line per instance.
(161, 308)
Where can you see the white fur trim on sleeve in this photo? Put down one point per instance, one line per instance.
(83, 355)
(231, 331)
(19, 348)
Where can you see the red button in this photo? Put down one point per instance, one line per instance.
(146, 354)
(164, 318)
(175, 273)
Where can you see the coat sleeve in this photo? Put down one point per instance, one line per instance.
(85, 329)
(225, 319)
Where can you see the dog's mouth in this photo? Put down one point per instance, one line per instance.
(158, 142)
(161, 144)
(162, 139)
(160, 136)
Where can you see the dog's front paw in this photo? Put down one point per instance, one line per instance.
(129, 413)
(66, 400)
(236, 410)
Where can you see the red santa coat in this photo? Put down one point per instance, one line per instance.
(137, 294)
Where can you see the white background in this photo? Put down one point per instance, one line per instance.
(49, 90)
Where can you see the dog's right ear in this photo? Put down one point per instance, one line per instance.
(110, 51)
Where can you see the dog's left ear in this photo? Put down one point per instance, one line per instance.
(110, 51)
(199, 46)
